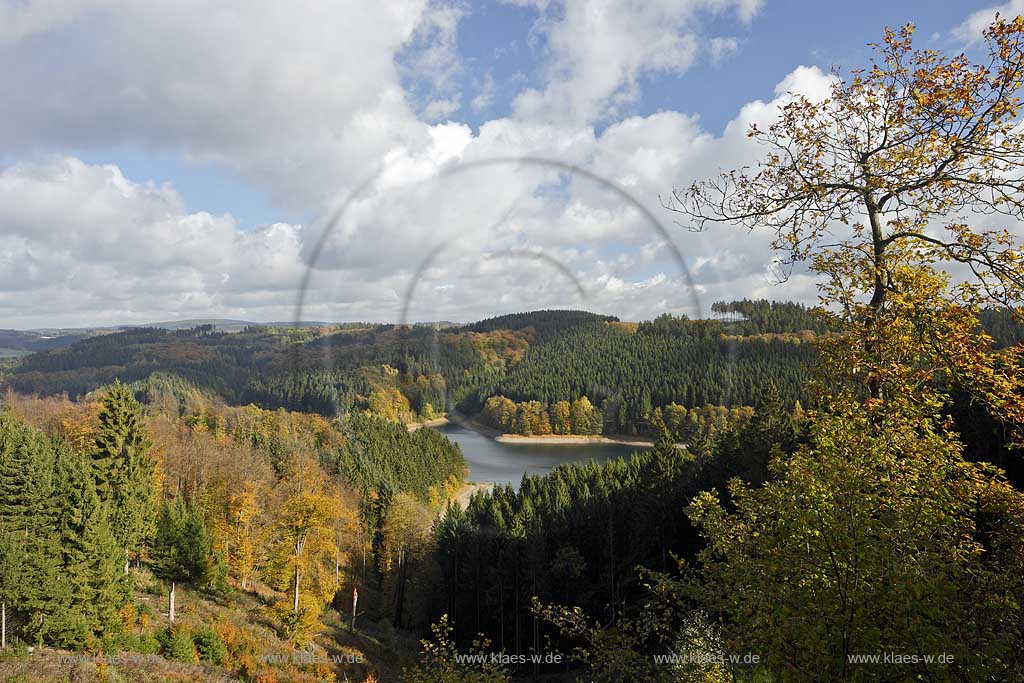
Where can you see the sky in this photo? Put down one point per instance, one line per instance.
(399, 160)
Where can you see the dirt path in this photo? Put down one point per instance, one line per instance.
(467, 491)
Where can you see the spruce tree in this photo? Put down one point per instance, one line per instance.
(91, 557)
(30, 564)
(122, 469)
(25, 474)
(182, 548)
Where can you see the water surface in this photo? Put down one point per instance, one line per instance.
(505, 463)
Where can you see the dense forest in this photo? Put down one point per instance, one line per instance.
(628, 373)
(158, 488)
(407, 373)
(580, 535)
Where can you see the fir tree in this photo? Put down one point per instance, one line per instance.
(30, 562)
(182, 548)
(92, 582)
(122, 469)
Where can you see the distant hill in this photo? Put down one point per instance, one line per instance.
(419, 371)
(546, 323)
(227, 324)
(31, 341)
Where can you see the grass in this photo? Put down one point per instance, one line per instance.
(238, 627)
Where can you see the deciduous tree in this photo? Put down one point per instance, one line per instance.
(905, 156)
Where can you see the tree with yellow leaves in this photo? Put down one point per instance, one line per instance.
(304, 551)
(881, 186)
(245, 535)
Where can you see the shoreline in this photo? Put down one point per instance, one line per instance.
(553, 439)
(573, 440)
(468, 489)
(436, 422)
(539, 439)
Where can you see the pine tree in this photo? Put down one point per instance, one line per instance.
(182, 548)
(92, 583)
(30, 562)
(24, 473)
(122, 469)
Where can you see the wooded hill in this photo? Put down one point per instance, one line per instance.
(405, 373)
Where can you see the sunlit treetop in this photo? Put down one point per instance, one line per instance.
(904, 150)
(883, 185)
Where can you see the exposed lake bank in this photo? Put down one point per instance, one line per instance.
(436, 422)
(553, 439)
(494, 460)
(572, 440)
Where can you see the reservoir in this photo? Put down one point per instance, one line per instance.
(505, 463)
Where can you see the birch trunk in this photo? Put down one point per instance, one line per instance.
(170, 603)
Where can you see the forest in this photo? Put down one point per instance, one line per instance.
(137, 499)
(408, 373)
(832, 493)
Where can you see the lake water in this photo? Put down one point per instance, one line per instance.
(501, 463)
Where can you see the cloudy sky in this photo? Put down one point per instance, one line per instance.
(181, 159)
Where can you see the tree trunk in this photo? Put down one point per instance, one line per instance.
(501, 607)
(536, 629)
(878, 261)
(400, 589)
(127, 560)
(517, 606)
(297, 576)
(355, 605)
(170, 603)
(3, 625)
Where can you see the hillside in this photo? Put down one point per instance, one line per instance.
(216, 638)
(217, 497)
(420, 372)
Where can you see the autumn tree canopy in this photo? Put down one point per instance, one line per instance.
(882, 187)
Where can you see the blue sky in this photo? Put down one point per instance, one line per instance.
(189, 151)
(495, 39)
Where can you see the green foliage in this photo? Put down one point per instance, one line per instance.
(182, 548)
(92, 560)
(441, 661)
(209, 645)
(143, 643)
(378, 453)
(628, 374)
(122, 468)
(176, 643)
(543, 324)
(29, 544)
(746, 317)
(61, 569)
(875, 537)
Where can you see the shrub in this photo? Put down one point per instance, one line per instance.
(145, 615)
(16, 649)
(176, 644)
(211, 648)
(143, 643)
